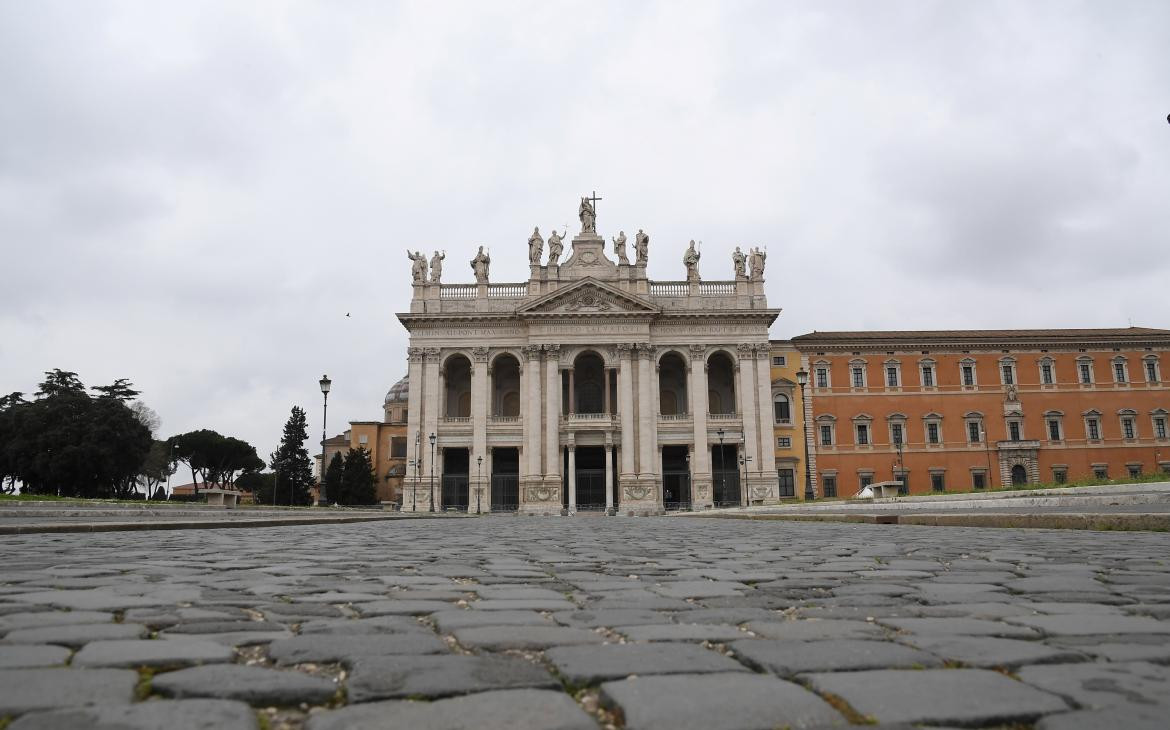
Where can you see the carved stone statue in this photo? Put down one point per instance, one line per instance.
(740, 261)
(756, 262)
(555, 247)
(535, 247)
(691, 261)
(418, 266)
(437, 266)
(619, 248)
(588, 217)
(641, 247)
(480, 265)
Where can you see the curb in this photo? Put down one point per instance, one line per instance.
(59, 527)
(1065, 521)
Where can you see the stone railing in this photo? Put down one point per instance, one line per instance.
(507, 291)
(669, 288)
(505, 419)
(456, 419)
(587, 416)
(723, 416)
(457, 291)
(674, 416)
(716, 288)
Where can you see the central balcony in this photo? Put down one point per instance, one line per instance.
(589, 420)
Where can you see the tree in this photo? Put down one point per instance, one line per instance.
(357, 479)
(156, 468)
(331, 484)
(291, 463)
(214, 459)
(260, 484)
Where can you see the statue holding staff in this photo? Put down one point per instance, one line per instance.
(619, 248)
(480, 265)
(437, 266)
(641, 247)
(555, 247)
(418, 267)
(535, 247)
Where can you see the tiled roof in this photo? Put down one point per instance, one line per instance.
(952, 335)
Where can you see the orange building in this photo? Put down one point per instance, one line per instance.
(386, 442)
(955, 410)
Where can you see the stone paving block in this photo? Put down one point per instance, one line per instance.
(404, 608)
(1098, 685)
(373, 625)
(448, 621)
(233, 638)
(987, 651)
(1158, 653)
(99, 600)
(32, 655)
(515, 709)
(441, 675)
(523, 604)
(681, 632)
(592, 664)
(730, 616)
(255, 685)
(699, 589)
(959, 626)
(496, 638)
(25, 690)
(169, 714)
(1056, 584)
(1088, 624)
(132, 653)
(611, 617)
(333, 648)
(43, 619)
(224, 627)
(995, 610)
(817, 629)
(1132, 716)
(75, 635)
(516, 593)
(787, 658)
(717, 702)
(941, 696)
(1058, 607)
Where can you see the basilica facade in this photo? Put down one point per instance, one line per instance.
(588, 386)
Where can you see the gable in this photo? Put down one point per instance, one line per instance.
(588, 296)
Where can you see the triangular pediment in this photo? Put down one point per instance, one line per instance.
(588, 297)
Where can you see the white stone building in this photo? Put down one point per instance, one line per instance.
(589, 387)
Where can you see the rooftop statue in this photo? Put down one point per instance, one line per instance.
(480, 265)
(555, 247)
(535, 247)
(619, 248)
(418, 266)
(740, 261)
(437, 266)
(641, 247)
(588, 216)
(691, 261)
(756, 262)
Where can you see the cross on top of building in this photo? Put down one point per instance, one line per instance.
(593, 199)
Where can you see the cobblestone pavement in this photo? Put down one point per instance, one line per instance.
(513, 622)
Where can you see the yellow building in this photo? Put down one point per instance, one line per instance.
(386, 442)
(789, 419)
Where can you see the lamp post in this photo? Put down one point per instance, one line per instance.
(722, 486)
(802, 380)
(326, 383)
(276, 482)
(478, 481)
(432, 438)
(743, 464)
(417, 462)
(172, 466)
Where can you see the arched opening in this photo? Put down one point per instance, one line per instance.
(782, 408)
(457, 400)
(720, 383)
(587, 384)
(1019, 475)
(506, 386)
(672, 385)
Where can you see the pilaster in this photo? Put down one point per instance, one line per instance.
(626, 410)
(765, 486)
(701, 456)
(480, 394)
(749, 415)
(552, 416)
(414, 416)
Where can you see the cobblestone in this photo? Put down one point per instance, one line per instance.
(668, 622)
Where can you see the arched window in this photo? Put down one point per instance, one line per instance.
(782, 408)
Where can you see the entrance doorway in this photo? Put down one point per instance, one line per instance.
(455, 483)
(590, 478)
(505, 480)
(676, 477)
(1019, 475)
(725, 475)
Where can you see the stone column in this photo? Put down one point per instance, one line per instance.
(414, 416)
(701, 461)
(608, 476)
(480, 394)
(748, 416)
(552, 415)
(572, 478)
(532, 430)
(646, 415)
(607, 408)
(431, 398)
(767, 433)
(572, 393)
(626, 409)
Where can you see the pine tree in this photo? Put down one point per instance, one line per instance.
(332, 483)
(357, 479)
(291, 461)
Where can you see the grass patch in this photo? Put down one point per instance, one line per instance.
(142, 690)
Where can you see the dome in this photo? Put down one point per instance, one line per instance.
(399, 391)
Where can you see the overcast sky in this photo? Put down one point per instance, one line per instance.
(193, 195)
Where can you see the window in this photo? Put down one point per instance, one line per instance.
(1060, 476)
(978, 480)
(783, 409)
(787, 482)
(896, 433)
(1093, 429)
(937, 483)
(1160, 427)
(1119, 372)
(784, 442)
(1053, 429)
(891, 376)
(1151, 370)
(1009, 374)
(904, 488)
(928, 376)
(1135, 470)
(858, 376)
(1085, 368)
(364, 439)
(862, 434)
(1014, 430)
(1100, 472)
(973, 432)
(865, 480)
(779, 360)
(968, 375)
(822, 377)
(830, 485)
(1046, 373)
(1127, 428)
(397, 447)
(932, 433)
(826, 435)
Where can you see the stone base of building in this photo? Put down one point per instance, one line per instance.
(541, 496)
(701, 496)
(762, 490)
(641, 497)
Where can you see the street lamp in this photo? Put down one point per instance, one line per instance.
(722, 477)
(802, 380)
(172, 466)
(326, 383)
(478, 481)
(417, 463)
(743, 462)
(432, 438)
(986, 448)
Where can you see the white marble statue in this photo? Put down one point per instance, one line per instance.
(437, 266)
(756, 263)
(555, 247)
(588, 216)
(418, 266)
(535, 247)
(619, 248)
(691, 261)
(641, 247)
(480, 265)
(740, 261)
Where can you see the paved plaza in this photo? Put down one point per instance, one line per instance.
(533, 622)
